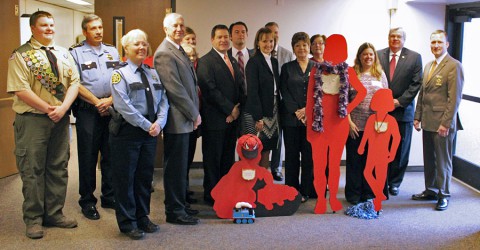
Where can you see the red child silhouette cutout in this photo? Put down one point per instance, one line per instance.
(248, 182)
(326, 111)
(379, 129)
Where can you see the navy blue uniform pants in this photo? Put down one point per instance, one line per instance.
(92, 138)
(133, 157)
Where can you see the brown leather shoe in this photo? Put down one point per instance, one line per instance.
(34, 231)
(63, 222)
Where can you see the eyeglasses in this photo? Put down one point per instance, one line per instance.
(318, 44)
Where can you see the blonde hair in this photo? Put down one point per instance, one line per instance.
(134, 35)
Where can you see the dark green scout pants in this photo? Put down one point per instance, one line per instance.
(42, 151)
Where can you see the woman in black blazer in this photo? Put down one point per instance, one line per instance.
(293, 87)
(263, 93)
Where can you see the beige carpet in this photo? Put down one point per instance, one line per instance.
(404, 224)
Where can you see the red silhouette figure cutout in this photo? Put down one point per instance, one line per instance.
(248, 182)
(379, 130)
(326, 111)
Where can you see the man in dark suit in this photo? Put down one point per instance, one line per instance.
(403, 68)
(178, 76)
(437, 114)
(221, 83)
(238, 35)
(283, 56)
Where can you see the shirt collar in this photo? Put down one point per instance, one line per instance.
(37, 45)
(267, 57)
(396, 54)
(173, 43)
(235, 51)
(440, 59)
(220, 53)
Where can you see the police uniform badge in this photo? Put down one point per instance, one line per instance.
(116, 78)
(109, 57)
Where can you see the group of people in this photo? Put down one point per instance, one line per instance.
(122, 107)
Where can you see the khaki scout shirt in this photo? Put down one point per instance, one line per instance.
(22, 77)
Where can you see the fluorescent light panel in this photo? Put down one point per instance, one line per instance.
(79, 2)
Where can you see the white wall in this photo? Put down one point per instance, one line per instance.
(358, 21)
(67, 21)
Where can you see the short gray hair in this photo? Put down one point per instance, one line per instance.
(169, 18)
(133, 35)
(89, 18)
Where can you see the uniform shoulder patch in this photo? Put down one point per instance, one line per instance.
(76, 46)
(116, 78)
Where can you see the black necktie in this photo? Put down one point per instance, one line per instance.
(52, 59)
(148, 94)
(183, 52)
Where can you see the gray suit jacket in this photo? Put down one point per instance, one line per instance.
(440, 96)
(283, 56)
(178, 76)
(406, 81)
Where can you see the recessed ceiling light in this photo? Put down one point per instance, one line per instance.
(80, 2)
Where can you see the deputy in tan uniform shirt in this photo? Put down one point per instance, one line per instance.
(44, 80)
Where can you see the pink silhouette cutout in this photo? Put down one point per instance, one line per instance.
(379, 129)
(329, 140)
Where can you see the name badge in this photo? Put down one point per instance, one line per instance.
(248, 174)
(381, 127)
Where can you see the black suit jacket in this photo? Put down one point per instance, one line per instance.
(220, 90)
(406, 82)
(293, 87)
(260, 89)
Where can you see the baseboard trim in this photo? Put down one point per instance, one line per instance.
(466, 172)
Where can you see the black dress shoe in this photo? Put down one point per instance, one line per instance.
(90, 211)
(190, 211)
(442, 204)
(183, 220)
(278, 176)
(135, 234)
(304, 198)
(424, 197)
(393, 190)
(150, 227)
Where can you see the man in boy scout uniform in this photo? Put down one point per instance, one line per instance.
(95, 62)
(44, 80)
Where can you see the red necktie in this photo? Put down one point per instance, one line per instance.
(393, 64)
(240, 63)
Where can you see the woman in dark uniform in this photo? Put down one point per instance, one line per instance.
(139, 96)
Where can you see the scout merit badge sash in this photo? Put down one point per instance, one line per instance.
(43, 71)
